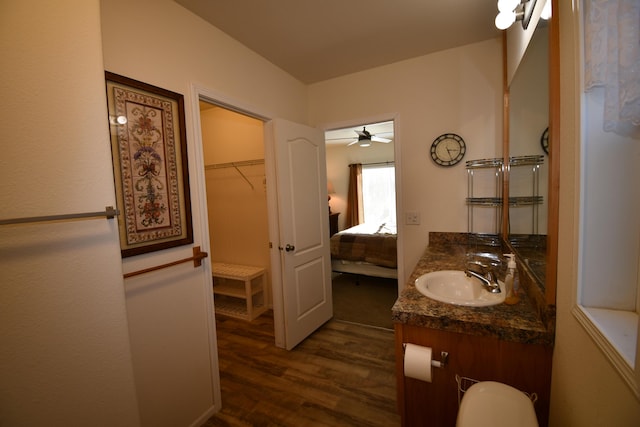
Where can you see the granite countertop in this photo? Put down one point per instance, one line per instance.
(520, 322)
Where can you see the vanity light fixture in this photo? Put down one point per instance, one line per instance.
(510, 11)
(546, 11)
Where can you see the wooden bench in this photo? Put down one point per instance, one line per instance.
(240, 289)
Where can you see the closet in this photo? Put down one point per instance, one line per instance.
(233, 150)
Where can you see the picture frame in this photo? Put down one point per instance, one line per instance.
(150, 165)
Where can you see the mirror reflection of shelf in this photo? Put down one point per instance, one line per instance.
(491, 182)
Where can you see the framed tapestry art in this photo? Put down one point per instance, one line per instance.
(149, 149)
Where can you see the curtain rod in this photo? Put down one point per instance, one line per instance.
(376, 163)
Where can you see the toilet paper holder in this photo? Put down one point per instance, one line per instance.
(444, 358)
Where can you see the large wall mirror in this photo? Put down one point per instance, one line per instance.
(529, 169)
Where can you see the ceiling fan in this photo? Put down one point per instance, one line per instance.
(365, 138)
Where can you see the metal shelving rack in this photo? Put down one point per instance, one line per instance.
(495, 200)
(531, 197)
(492, 201)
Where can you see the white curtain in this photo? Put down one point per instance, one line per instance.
(612, 61)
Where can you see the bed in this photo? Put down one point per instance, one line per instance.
(366, 249)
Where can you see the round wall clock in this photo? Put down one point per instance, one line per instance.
(544, 140)
(448, 149)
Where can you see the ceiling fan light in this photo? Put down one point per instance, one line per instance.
(364, 143)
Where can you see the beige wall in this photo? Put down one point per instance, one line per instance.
(161, 43)
(65, 357)
(238, 226)
(457, 90)
(62, 321)
(586, 389)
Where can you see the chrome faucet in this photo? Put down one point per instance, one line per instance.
(489, 280)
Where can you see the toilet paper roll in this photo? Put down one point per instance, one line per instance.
(417, 362)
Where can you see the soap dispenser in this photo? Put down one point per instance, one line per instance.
(511, 281)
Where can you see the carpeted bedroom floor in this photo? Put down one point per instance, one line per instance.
(364, 300)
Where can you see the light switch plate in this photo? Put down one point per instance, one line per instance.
(412, 218)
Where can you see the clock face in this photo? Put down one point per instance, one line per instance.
(544, 140)
(448, 149)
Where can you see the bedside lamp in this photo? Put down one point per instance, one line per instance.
(330, 190)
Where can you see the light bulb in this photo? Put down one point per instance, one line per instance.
(546, 11)
(505, 19)
(507, 5)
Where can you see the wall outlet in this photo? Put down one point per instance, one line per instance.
(412, 218)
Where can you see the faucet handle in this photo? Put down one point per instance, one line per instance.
(476, 263)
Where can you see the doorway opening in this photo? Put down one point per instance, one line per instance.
(291, 260)
(361, 180)
(235, 181)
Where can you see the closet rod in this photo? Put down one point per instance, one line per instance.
(109, 213)
(197, 258)
(235, 164)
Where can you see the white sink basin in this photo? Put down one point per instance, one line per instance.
(455, 287)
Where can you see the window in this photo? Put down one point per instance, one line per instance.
(379, 193)
(608, 299)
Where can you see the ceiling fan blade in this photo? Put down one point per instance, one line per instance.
(364, 133)
(339, 139)
(351, 143)
(383, 134)
(378, 139)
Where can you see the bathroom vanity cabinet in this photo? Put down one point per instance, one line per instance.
(526, 367)
(511, 344)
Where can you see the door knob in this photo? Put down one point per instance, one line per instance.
(289, 248)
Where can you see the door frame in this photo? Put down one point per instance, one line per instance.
(216, 98)
(385, 117)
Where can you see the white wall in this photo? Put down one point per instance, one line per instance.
(519, 39)
(65, 357)
(586, 389)
(457, 90)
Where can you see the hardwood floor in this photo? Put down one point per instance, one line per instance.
(342, 375)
